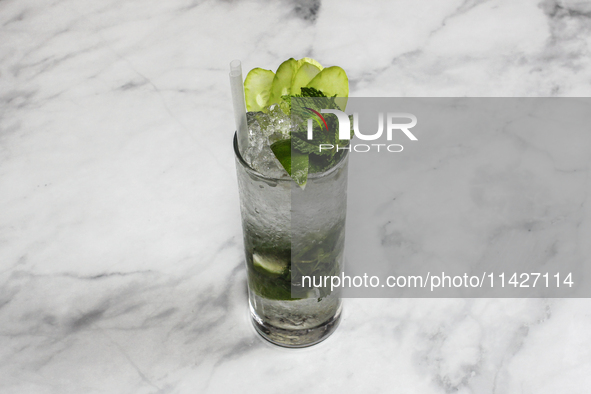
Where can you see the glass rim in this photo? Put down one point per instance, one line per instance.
(251, 170)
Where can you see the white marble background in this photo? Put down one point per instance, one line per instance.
(120, 244)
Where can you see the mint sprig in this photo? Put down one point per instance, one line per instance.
(300, 156)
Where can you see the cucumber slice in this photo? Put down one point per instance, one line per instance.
(257, 88)
(332, 81)
(282, 81)
(268, 265)
(303, 76)
(310, 61)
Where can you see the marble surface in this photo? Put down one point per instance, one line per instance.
(121, 267)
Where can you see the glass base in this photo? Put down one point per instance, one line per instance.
(295, 338)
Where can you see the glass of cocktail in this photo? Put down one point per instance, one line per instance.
(293, 228)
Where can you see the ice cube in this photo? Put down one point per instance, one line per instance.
(264, 129)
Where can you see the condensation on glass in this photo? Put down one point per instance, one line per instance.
(291, 233)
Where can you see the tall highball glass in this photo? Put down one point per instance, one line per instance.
(293, 237)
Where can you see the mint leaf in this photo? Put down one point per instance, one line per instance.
(304, 146)
(282, 151)
(311, 92)
(295, 163)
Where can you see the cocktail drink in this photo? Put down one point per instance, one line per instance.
(293, 216)
(291, 233)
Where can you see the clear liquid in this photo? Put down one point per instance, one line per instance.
(302, 230)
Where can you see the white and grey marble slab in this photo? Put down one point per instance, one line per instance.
(121, 262)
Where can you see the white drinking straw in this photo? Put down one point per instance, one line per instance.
(239, 104)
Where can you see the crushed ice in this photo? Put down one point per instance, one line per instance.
(264, 129)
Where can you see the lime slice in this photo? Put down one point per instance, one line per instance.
(332, 81)
(303, 76)
(257, 88)
(268, 265)
(281, 85)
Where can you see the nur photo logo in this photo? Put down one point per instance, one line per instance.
(391, 123)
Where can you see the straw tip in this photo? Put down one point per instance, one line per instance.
(235, 68)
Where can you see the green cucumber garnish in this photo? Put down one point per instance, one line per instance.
(257, 88)
(300, 78)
